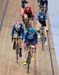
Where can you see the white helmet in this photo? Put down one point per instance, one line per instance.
(27, 5)
(17, 26)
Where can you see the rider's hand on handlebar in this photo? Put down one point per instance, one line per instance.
(47, 29)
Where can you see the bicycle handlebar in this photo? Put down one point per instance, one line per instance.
(17, 38)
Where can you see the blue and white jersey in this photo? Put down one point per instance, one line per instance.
(42, 2)
(41, 19)
(19, 29)
(32, 38)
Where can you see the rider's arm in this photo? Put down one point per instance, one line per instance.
(46, 19)
(32, 11)
(36, 38)
(47, 3)
(13, 30)
(22, 31)
(38, 23)
(22, 11)
(47, 24)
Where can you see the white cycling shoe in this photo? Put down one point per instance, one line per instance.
(46, 43)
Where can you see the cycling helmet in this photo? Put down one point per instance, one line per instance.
(21, 24)
(31, 31)
(27, 5)
(42, 13)
(17, 26)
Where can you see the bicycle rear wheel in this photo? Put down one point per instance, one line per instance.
(17, 53)
(28, 67)
(42, 45)
(42, 39)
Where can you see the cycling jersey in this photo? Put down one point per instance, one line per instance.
(42, 20)
(33, 39)
(43, 2)
(19, 29)
(30, 11)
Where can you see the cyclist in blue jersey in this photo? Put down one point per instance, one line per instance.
(30, 37)
(18, 30)
(44, 4)
(42, 21)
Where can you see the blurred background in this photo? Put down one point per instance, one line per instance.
(54, 21)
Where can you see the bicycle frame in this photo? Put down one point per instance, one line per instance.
(17, 48)
(30, 52)
(42, 37)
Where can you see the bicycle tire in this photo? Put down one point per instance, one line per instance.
(28, 61)
(42, 45)
(28, 67)
(17, 53)
(42, 39)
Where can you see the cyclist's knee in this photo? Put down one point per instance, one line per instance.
(20, 43)
(25, 16)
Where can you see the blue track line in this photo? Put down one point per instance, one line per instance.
(6, 5)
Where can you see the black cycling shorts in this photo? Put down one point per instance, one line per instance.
(29, 14)
(30, 42)
(43, 23)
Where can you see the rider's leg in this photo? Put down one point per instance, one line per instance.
(45, 31)
(38, 28)
(45, 8)
(38, 25)
(25, 56)
(20, 47)
(14, 44)
(25, 17)
(45, 36)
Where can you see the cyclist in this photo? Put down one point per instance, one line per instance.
(44, 4)
(30, 37)
(18, 30)
(42, 21)
(27, 12)
(28, 24)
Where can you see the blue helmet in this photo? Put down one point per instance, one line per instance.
(42, 13)
(31, 31)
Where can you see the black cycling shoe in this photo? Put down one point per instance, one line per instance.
(20, 53)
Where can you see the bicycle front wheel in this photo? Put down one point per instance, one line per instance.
(28, 61)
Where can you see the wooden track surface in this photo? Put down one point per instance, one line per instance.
(8, 65)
